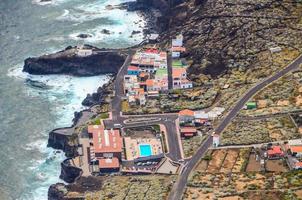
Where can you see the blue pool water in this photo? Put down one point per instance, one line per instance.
(145, 150)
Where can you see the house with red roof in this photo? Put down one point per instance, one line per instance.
(296, 151)
(186, 116)
(188, 131)
(106, 147)
(275, 152)
(180, 80)
(298, 165)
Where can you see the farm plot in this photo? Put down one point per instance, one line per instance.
(276, 166)
(218, 157)
(224, 161)
(229, 160)
(253, 165)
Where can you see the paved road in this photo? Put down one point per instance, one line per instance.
(170, 70)
(168, 120)
(179, 187)
(118, 87)
(172, 137)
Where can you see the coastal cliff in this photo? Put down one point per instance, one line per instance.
(219, 37)
(77, 61)
(69, 173)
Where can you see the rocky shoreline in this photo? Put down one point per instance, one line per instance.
(78, 61)
(70, 61)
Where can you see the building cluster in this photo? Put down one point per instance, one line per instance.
(179, 67)
(294, 148)
(109, 151)
(189, 120)
(146, 76)
(291, 151)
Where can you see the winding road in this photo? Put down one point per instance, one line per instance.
(179, 186)
(168, 119)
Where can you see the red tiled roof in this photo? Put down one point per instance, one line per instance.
(143, 74)
(275, 150)
(297, 149)
(186, 112)
(177, 72)
(178, 49)
(105, 141)
(188, 130)
(140, 91)
(105, 163)
(133, 68)
(150, 82)
(298, 164)
(151, 50)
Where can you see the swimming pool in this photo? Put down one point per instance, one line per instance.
(145, 150)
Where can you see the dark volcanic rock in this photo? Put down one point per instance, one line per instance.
(84, 35)
(105, 31)
(86, 184)
(69, 173)
(135, 32)
(57, 192)
(98, 97)
(69, 61)
(65, 142)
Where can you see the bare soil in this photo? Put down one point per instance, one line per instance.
(253, 165)
(217, 159)
(229, 161)
(275, 166)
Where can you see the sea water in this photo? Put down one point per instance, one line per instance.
(32, 105)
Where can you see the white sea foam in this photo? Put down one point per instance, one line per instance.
(120, 22)
(52, 2)
(65, 94)
(39, 145)
(119, 32)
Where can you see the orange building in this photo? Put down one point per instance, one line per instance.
(107, 146)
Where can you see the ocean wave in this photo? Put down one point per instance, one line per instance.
(118, 33)
(39, 145)
(50, 2)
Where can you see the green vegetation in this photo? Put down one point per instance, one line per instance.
(177, 63)
(194, 99)
(161, 72)
(207, 157)
(190, 145)
(156, 128)
(104, 115)
(125, 106)
(242, 131)
(138, 187)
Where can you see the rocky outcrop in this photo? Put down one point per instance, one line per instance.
(57, 192)
(69, 173)
(99, 96)
(223, 35)
(83, 61)
(64, 139)
(84, 35)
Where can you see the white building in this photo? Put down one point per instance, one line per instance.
(178, 41)
(83, 52)
(216, 140)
